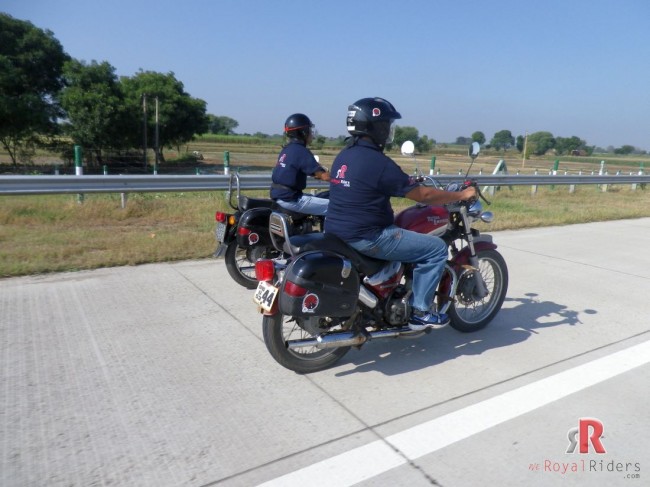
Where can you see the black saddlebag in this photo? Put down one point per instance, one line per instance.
(319, 283)
(253, 228)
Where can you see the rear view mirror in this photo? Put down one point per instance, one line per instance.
(474, 150)
(408, 148)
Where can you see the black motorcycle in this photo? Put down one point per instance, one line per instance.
(243, 235)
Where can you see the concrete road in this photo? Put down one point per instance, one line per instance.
(157, 375)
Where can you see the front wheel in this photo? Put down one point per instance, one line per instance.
(470, 314)
(278, 328)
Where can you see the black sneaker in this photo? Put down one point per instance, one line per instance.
(421, 320)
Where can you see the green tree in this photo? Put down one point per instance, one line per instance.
(626, 149)
(181, 117)
(94, 103)
(31, 75)
(221, 125)
(566, 145)
(402, 134)
(318, 142)
(502, 139)
(541, 142)
(424, 144)
(520, 142)
(478, 137)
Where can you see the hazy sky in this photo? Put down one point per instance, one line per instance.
(452, 67)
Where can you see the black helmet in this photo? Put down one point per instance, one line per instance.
(372, 117)
(298, 126)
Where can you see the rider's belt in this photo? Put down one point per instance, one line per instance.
(282, 186)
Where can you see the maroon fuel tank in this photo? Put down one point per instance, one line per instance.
(424, 219)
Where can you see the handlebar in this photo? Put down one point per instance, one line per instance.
(472, 183)
(466, 184)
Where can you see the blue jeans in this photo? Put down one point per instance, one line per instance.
(311, 205)
(428, 253)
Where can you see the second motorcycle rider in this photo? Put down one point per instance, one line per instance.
(295, 163)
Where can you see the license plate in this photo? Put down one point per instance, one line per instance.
(265, 295)
(221, 231)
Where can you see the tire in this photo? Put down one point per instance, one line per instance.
(278, 328)
(467, 314)
(239, 265)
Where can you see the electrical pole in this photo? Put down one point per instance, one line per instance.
(523, 161)
(157, 142)
(144, 109)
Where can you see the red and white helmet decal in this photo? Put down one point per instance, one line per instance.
(310, 303)
(376, 112)
(253, 238)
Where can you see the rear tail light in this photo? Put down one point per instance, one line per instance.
(243, 231)
(294, 290)
(220, 216)
(264, 270)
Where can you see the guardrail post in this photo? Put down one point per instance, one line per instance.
(226, 163)
(601, 172)
(572, 187)
(78, 168)
(640, 173)
(556, 165)
(433, 165)
(533, 189)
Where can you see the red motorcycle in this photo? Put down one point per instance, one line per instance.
(323, 297)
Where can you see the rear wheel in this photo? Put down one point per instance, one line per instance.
(240, 262)
(468, 313)
(278, 329)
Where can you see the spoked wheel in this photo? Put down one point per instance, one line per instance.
(240, 262)
(278, 329)
(469, 313)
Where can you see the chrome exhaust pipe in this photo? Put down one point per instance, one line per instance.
(349, 338)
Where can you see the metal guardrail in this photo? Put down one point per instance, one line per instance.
(25, 185)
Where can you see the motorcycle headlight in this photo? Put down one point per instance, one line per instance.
(475, 208)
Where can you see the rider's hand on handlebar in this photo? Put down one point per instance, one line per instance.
(469, 193)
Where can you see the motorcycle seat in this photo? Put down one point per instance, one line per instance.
(330, 242)
(246, 203)
(295, 216)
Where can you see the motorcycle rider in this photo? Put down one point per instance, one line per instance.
(364, 179)
(295, 163)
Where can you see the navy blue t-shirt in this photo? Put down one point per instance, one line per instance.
(295, 162)
(363, 181)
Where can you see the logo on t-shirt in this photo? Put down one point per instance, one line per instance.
(281, 161)
(340, 177)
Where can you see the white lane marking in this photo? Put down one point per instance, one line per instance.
(367, 461)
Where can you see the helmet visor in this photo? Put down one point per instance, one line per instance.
(391, 132)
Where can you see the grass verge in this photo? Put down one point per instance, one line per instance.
(41, 234)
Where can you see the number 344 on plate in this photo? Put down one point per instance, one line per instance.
(265, 295)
